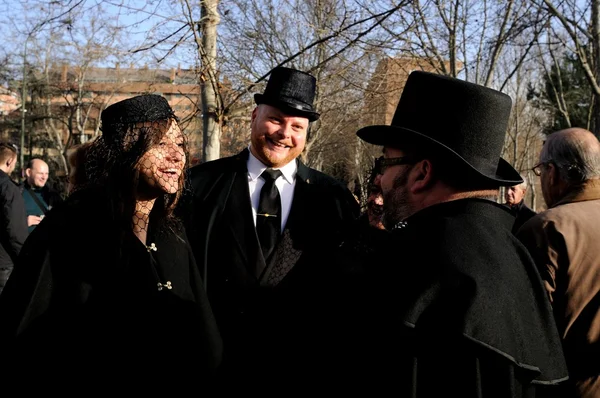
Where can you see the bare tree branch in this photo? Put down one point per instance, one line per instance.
(384, 14)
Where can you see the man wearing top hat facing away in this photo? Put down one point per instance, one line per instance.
(256, 222)
(457, 307)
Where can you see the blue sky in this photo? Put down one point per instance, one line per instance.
(138, 22)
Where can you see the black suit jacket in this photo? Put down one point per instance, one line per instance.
(259, 318)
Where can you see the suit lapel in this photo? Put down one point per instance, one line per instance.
(231, 218)
(241, 225)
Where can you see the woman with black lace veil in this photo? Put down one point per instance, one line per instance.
(106, 290)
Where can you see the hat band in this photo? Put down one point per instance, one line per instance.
(298, 106)
(291, 102)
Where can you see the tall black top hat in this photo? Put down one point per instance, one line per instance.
(142, 108)
(465, 121)
(292, 91)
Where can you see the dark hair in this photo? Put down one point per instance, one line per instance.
(77, 158)
(7, 151)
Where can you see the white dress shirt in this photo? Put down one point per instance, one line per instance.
(285, 185)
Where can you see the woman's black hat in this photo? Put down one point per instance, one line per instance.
(141, 108)
(466, 122)
(292, 91)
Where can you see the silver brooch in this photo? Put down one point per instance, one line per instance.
(167, 285)
(399, 225)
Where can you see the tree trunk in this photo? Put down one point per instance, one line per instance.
(211, 120)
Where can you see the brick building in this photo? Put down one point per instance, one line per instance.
(9, 101)
(96, 88)
(386, 85)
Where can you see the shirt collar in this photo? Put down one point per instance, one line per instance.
(256, 167)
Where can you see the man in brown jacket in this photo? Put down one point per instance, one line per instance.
(564, 242)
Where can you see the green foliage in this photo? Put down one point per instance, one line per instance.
(565, 94)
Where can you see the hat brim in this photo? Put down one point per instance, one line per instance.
(288, 107)
(383, 135)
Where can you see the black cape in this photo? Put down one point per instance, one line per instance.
(83, 306)
(453, 307)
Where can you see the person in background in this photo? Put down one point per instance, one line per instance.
(515, 200)
(39, 197)
(258, 222)
(454, 306)
(368, 235)
(563, 241)
(107, 294)
(76, 159)
(374, 209)
(13, 228)
(362, 243)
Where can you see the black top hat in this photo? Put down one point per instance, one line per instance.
(142, 108)
(292, 91)
(466, 121)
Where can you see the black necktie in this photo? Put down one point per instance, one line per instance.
(268, 218)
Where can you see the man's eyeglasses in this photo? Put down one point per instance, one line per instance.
(382, 163)
(537, 169)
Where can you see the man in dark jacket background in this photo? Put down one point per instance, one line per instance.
(38, 196)
(515, 200)
(13, 228)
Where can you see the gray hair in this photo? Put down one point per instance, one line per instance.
(525, 182)
(576, 154)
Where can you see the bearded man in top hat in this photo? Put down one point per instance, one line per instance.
(256, 273)
(456, 306)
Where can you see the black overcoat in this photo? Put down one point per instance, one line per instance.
(259, 317)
